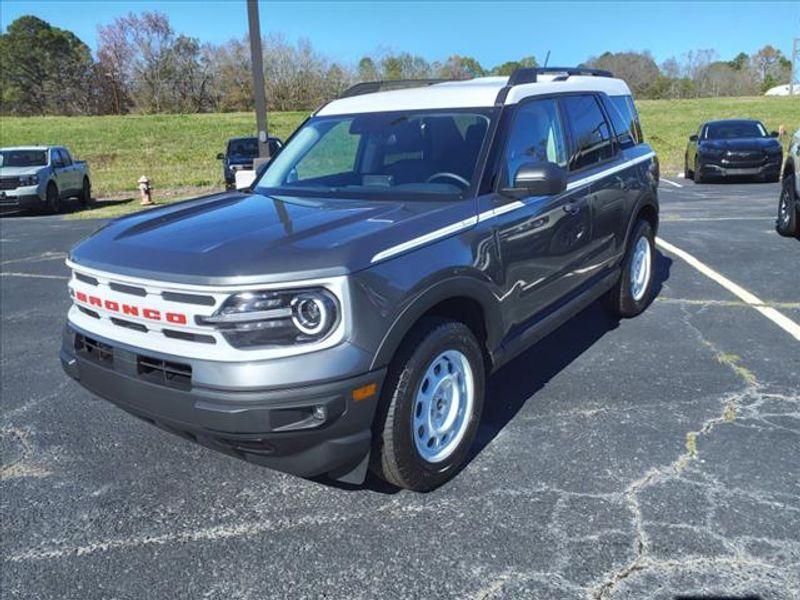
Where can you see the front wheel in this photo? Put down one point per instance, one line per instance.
(787, 223)
(431, 406)
(634, 290)
(697, 174)
(52, 199)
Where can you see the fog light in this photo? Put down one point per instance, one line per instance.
(320, 412)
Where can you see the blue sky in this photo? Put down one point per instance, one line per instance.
(493, 32)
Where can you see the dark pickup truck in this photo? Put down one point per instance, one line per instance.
(239, 154)
(345, 312)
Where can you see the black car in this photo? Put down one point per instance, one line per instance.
(733, 148)
(240, 153)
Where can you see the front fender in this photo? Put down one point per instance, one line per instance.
(446, 288)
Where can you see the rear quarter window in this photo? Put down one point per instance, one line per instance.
(624, 107)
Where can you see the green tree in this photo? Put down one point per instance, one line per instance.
(508, 67)
(45, 70)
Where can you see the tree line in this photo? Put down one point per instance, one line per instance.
(142, 65)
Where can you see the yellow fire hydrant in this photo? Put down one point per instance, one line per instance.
(145, 191)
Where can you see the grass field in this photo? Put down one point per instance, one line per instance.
(177, 152)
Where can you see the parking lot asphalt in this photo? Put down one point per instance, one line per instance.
(657, 457)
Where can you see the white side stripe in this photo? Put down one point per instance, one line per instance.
(495, 212)
(773, 315)
(615, 169)
(424, 239)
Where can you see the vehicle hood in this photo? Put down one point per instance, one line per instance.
(17, 171)
(740, 144)
(236, 237)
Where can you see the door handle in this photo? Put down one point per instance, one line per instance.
(571, 208)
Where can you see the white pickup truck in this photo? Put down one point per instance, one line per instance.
(40, 177)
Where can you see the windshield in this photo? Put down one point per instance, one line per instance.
(23, 158)
(381, 154)
(247, 147)
(735, 129)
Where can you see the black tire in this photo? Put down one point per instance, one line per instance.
(52, 199)
(687, 172)
(620, 299)
(697, 174)
(85, 197)
(395, 457)
(788, 224)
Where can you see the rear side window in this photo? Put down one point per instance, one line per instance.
(591, 134)
(622, 121)
(627, 109)
(536, 136)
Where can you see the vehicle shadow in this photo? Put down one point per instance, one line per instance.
(68, 206)
(517, 382)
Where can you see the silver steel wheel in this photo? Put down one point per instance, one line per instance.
(640, 268)
(443, 406)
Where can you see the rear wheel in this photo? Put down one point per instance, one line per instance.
(634, 290)
(52, 199)
(85, 197)
(431, 406)
(787, 223)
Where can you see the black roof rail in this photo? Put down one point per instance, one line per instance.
(370, 87)
(531, 74)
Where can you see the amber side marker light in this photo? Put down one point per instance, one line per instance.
(365, 391)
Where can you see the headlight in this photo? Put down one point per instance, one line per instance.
(26, 180)
(775, 150)
(276, 317)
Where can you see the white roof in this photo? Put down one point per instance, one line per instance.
(783, 90)
(472, 93)
(27, 147)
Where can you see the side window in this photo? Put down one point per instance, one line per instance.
(536, 136)
(591, 136)
(55, 158)
(623, 121)
(66, 159)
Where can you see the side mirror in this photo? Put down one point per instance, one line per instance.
(539, 179)
(774, 134)
(693, 138)
(220, 156)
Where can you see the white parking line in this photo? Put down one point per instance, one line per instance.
(34, 275)
(773, 315)
(671, 182)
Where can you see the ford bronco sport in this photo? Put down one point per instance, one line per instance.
(345, 313)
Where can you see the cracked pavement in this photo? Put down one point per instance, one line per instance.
(657, 457)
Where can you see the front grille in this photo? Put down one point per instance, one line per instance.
(129, 324)
(9, 183)
(128, 289)
(189, 337)
(189, 298)
(94, 350)
(86, 279)
(164, 372)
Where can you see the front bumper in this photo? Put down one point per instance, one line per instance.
(13, 200)
(718, 168)
(309, 430)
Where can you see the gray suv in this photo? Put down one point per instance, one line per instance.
(345, 313)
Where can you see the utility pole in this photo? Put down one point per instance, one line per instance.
(795, 79)
(257, 64)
